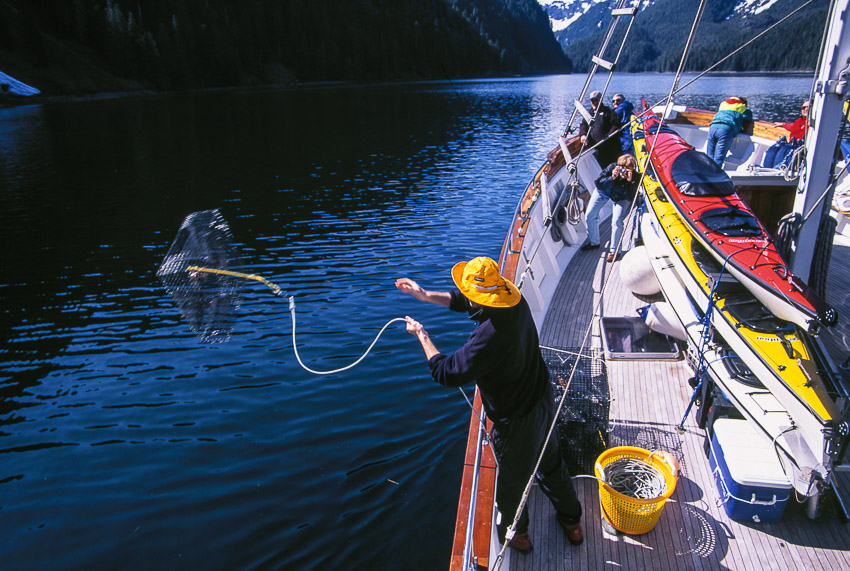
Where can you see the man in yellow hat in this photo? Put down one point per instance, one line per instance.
(502, 355)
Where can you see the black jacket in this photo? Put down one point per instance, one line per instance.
(502, 355)
(604, 125)
(616, 189)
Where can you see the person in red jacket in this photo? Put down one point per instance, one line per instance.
(797, 129)
(780, 154)
(502, 356)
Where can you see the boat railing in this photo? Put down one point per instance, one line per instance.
(470, 560)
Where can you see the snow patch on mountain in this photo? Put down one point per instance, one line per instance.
(563, 13)
(752, 7)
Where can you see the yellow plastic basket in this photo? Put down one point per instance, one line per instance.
(634, 515)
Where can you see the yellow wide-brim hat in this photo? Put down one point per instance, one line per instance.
(480, 281)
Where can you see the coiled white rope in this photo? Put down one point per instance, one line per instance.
(363, 356)
(635, 478)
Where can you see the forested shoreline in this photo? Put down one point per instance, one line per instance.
(84, 46)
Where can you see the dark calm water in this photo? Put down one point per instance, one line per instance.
(128, 444)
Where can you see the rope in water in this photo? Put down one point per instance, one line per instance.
(277, 291)
(363, 356)
(635, 478)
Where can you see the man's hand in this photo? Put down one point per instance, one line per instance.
(408, 286)
(416, 328)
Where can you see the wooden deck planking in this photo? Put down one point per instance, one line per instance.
(837, 338)
(648, 400)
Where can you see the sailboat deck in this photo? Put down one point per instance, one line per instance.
(648, 399)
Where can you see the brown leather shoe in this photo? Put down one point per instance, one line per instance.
(611, 258)
(521, 542)
(573, 531)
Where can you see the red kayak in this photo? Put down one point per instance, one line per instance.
(705, 198)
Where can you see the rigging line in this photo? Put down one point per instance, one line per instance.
(746, 44)
(646, 168)
(707, 71)
(835, 179)
(720, 61)
(489, 441)
(705, 340)
(821, 56)
(620, 51)
(579, 355)
(687, 51)
(676, 80)
(829, 187)
(609, 35)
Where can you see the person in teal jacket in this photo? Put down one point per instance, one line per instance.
(727, 123)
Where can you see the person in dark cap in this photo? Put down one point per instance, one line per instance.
(604, 124)
(502, 355)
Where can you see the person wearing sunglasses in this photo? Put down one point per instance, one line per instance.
(782, 151)
(624, 110)
(797, 129)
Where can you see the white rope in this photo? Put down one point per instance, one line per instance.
(363, 356)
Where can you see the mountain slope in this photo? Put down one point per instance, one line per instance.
(661, 28)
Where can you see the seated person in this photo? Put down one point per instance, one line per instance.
(781, 152)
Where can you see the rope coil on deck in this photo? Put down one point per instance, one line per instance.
(635, 478)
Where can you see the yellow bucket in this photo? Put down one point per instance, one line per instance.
(634, 515)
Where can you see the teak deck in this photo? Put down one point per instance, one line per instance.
(648, 399)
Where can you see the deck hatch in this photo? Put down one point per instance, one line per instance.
(629, 338)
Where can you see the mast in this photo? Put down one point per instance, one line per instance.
(830, 90)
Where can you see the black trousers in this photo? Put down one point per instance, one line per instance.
(517, 443)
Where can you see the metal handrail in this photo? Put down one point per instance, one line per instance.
(468, 545)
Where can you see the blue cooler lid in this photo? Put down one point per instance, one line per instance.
(749, 456)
